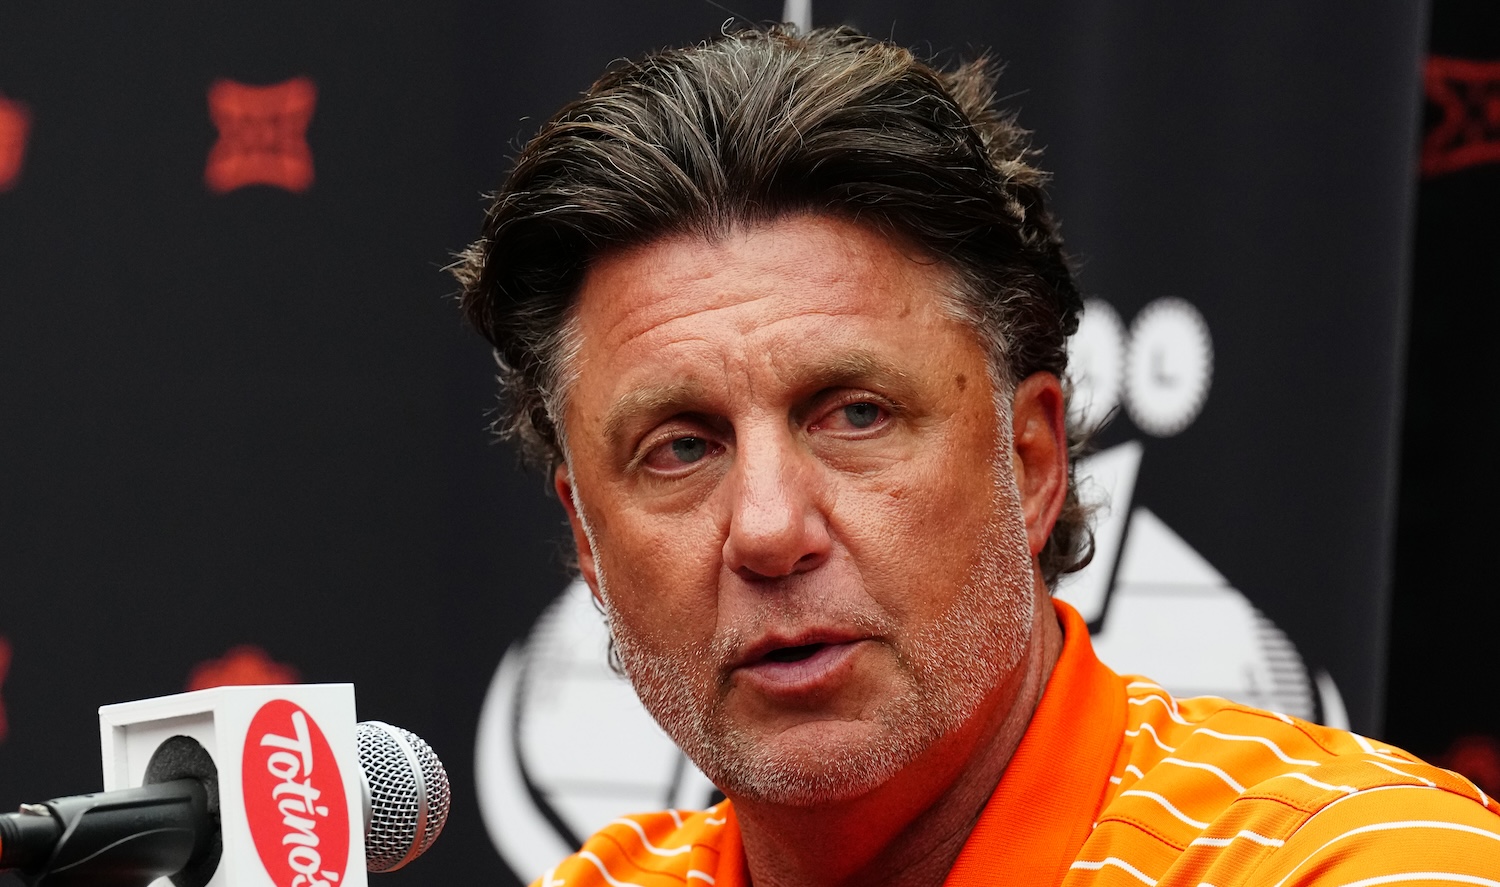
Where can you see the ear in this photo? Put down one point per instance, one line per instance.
(1040, 457)
(562, 482)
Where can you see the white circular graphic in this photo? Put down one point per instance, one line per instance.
(1168, 366)
(564, 746)
(1096, 364)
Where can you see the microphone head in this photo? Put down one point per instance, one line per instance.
(408, 795)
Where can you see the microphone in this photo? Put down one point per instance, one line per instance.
(275, 804)
(170, 826)
(407, 795)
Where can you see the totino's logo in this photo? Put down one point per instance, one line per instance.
(294, 798)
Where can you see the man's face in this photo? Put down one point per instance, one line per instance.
(792, 490)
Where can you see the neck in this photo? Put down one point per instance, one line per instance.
(909, 831)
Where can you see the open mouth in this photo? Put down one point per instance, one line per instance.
(794, 654)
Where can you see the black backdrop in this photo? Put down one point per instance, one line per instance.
(1444, 615)
(254, 417)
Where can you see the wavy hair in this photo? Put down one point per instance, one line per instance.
(754, 125)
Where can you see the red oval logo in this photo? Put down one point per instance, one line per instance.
(294, 798)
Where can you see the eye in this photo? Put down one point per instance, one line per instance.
(854, 417)
(689, 449)
(861, 415)
(678, 454)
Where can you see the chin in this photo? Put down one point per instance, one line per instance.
(808, 765)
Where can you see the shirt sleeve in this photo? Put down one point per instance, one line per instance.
(1400, 834)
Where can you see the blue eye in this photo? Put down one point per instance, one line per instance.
(862, 415)
(689, 449)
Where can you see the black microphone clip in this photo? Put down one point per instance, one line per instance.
(122, 838)
(127, 838)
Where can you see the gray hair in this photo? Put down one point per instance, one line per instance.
(758, 124)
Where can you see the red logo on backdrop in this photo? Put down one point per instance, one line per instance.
(1476, 756)
(294, 798)
(1468, 133)
(15, 123)
(244, 664)
(262, 135)
(4, 667)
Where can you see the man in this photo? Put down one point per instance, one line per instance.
(786, 317)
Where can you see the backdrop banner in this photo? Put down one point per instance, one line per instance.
(244, 428)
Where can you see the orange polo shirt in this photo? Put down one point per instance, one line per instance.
(1118, 783)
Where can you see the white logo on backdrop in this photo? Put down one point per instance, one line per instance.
(564, 746)
(1156, 606)
(1162, 369)
(1168, 367)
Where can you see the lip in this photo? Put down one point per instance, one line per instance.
(823, 669)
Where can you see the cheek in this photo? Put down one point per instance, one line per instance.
(917, 533)
(661, 578)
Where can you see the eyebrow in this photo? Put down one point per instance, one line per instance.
(647, 401)
(844, 369)
(854, 367)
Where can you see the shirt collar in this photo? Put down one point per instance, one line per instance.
(1047, 800)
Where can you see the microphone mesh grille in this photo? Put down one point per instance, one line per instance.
(399, 793)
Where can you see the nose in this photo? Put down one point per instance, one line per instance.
(777, 526)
